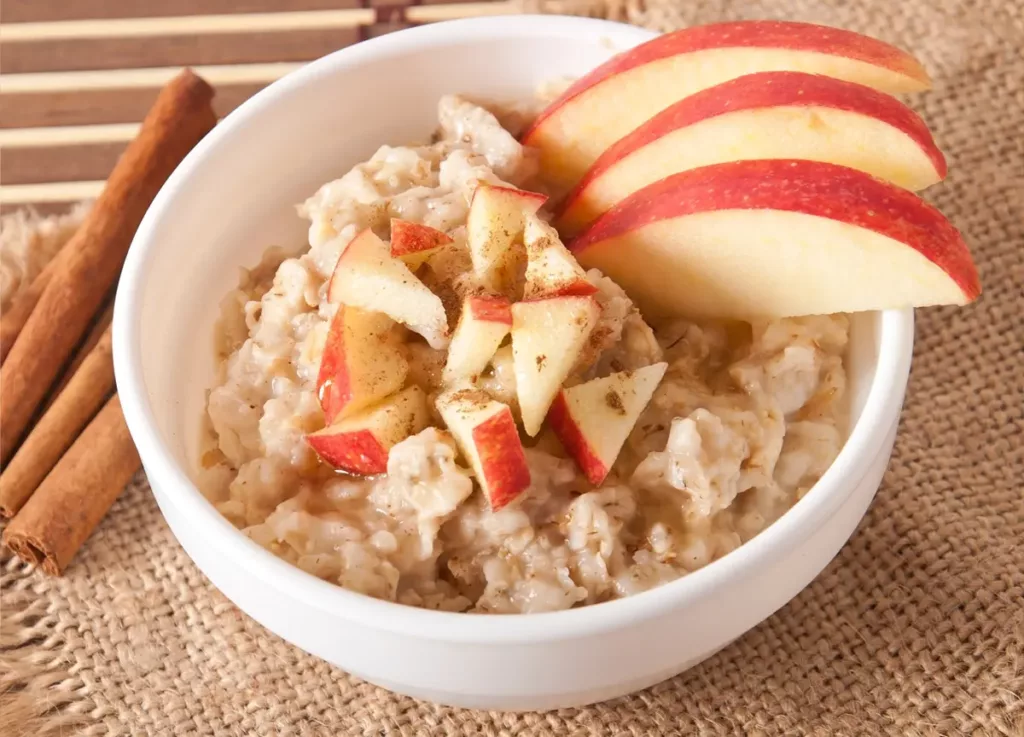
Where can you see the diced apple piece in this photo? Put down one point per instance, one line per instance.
(362, 362)
(484, 322)
(367, 277)
(775, 238)
(360, 444)
(770, 115)
(486, 434)
(593, 420)
(550, 269)
(630, 88)
(415, 243)
(493, 225)
(547, 338)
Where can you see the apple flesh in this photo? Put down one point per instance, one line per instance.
(366, 276)
(362, 362)
(769, 115)
(548, 336)
(495, 222)
(550, 269)
(618, 96)
(414, 243)
(593, 420)
(483, 324)
(485, 432)
(774, 238)
(360, 444)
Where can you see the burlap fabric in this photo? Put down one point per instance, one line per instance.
(917, 628)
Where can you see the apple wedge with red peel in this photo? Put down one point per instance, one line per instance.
(366, 276)
(774, 238)
(487, 436)
(414, 243)
(618, 96)
(360, 444)
(362, 362)
(593, 420)
(770, 115)
(547, 337)
(484, 322)
(550, 269)
(495, 222)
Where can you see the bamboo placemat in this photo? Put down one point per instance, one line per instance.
(917, 628)
(77, 77)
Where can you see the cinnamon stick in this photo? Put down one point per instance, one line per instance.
(180, 117)
(15, 317)
(85, 393)
(76, 494)
(92, 339)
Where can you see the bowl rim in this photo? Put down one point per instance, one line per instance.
(780, 539)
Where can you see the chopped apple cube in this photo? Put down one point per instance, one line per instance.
(362, 362)
(415, 243)
(483, 324)
(550, 269)
(493, 226)
(486, 434)
(367, 277)
(547, 338)
(360, 444)
(593, 420)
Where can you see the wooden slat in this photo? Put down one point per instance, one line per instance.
(433, 13)
(168, 51)
(188, 25)
(66, 135)
(28, 11)
(50, 192)
(112, 79)
(100, 106)
(58, 163)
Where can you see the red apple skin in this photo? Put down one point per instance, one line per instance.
(333, 381)
(501, 458)
(407, 237)
(758, 34)
(356, 452)
(763, 90)
(490, 309)
(568, 433)
(580, 288)
(811, 187)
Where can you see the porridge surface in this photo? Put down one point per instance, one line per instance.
(745, 421)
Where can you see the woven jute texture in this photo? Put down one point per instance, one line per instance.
(917, 627)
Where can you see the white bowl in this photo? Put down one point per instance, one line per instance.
(234, 196)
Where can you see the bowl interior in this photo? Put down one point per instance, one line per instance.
(236, 194)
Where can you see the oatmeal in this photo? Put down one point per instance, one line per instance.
(469, 478)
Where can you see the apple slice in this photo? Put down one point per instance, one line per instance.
(486, 433)
(776, 238)
(361, 364)
(547, 337)
(483, 324)
(770, 115)
(366, 276)
(415, 243)
(550, 268)
(618, 96)
(360, 444)
(593, 420)
(494, 223)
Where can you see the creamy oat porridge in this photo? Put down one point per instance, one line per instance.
(411, 421)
